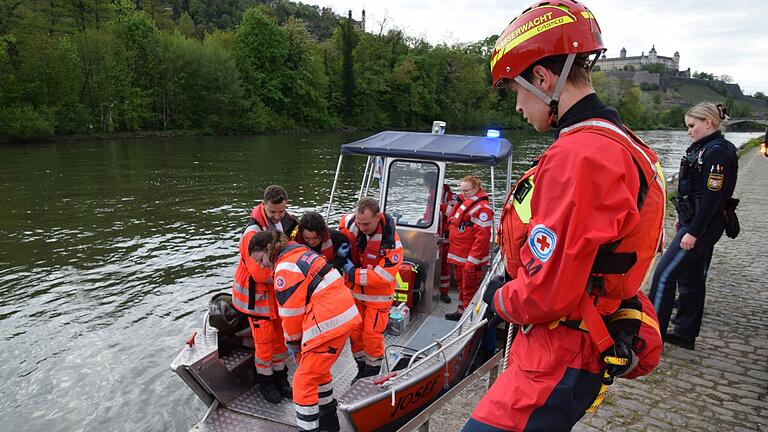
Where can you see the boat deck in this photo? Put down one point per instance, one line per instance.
(250, 411)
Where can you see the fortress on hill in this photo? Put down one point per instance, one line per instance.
(624, 63)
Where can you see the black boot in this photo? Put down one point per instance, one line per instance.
(280, 381)
(445, 298)
(360, 370)
(370, 371)
(267, 389)
(453, 316)
(329, 420)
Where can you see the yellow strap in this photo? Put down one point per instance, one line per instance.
(635, 314)
(619, 361)
(600, 396)
(553, 325)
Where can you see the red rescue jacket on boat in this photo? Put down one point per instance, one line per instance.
(377, 260)
(469, 232)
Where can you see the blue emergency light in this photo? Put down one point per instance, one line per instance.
(492, 133)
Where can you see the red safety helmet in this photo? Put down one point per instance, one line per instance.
(547, 28)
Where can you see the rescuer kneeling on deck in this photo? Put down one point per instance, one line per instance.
(578, 233)
(318, 314)
(371, 271)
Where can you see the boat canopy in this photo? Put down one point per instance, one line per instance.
(422, 145)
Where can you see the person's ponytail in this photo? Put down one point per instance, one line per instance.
(277, 244)
(270, 241)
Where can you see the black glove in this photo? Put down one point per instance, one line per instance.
(619, 359)
(494, 284)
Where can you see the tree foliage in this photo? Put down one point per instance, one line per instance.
(244, 66)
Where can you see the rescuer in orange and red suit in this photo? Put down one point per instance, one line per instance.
(371, 271)
(469, 240)
(253, 295)
(578, 233)
(318, 314)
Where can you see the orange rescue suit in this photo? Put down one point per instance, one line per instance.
(253, 295)
(377, 259)
(318, 312)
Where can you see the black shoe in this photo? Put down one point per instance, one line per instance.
(366, 371)
(681, 341)
(280, 381)
(268, 390)
(370, 371)
(329, 420)
(453, 316)
(360, 370)
(445, 298)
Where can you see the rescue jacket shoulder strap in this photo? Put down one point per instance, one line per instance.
(388, 233)
(317, 279)
(289, 247)
(250, 223)
(251, 293)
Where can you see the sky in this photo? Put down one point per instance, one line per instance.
(717, 37)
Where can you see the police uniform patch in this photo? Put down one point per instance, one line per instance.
(542, 242)
(279, 282)
(715, 182)
(483, 216)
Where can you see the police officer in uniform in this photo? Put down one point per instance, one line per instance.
(706, 183)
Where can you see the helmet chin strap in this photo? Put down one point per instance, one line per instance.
(553, 100)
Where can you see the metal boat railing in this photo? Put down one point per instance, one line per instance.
(439, 345)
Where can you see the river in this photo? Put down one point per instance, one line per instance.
(110, 250)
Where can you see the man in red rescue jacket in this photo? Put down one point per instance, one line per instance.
(469, 240)
(578, 233)
(371, 271)
(253, 294)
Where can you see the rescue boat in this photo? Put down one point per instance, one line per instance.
(425, 359)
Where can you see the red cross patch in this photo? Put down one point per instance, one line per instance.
(542, 242)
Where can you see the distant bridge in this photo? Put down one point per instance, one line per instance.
(735, 121)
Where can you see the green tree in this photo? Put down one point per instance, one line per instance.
(139, 55)
(260, 51)
(349, 41)
(24, 122)
(305, 81)
(199, 87)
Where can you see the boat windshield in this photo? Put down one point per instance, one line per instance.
(411, 192)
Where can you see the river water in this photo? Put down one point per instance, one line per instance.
(110, 250)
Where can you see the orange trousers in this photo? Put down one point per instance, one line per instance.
(367, 340)
(314, 372)
(269, 341)
(469, 282)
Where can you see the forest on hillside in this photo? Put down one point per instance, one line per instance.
(245, 66)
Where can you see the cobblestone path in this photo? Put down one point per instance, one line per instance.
(723, 384)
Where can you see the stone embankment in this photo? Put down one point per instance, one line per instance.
(723, 384)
